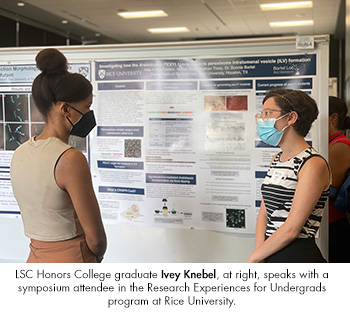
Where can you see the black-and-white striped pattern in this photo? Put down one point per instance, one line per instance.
(278, 192)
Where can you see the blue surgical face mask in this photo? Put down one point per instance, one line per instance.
(267, 131)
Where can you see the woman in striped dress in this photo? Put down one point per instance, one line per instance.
(297, 183)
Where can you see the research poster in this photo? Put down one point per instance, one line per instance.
(176, 143)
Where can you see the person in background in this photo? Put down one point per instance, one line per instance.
(51, 180)
(339, 161)
(296, 186)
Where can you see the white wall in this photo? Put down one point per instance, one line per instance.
(143, 244)
(14, 246)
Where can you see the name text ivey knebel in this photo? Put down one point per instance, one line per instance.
(188, 274)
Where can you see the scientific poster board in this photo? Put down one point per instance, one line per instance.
(175, 144)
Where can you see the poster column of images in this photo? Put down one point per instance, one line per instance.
(226, 162)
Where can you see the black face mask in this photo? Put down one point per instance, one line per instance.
(85, 125)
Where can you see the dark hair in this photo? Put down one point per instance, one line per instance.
(55, 83)
(338, 106)
(295, 100)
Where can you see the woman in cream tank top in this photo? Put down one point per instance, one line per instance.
(51, 180)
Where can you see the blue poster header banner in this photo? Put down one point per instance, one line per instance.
(260, 66)
(260, 174)
(26, 73)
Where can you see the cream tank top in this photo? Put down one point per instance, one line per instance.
(47, 211)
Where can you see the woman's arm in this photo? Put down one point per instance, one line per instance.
(339, 162)
(312, 180)
(73, 175)
(261, 223)
(260, 228)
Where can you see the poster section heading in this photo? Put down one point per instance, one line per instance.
(291, 83)
(121, 190)
(171, 179)
(262, 66)
(120, 131)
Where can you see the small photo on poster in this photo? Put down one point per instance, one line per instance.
(16, 134)
(36, 129)
(237, 103)
(235, 218)
(16, 108)
(214, 103)
(35, 114)
(132, 148)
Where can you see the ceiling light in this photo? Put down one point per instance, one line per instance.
(168, 30)
(21, 4)
(64, 22)
(142, 14)
(286, 5)
(292, 23)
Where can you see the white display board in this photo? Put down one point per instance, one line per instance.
(175, 159)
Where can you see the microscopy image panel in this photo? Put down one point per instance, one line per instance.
(235, 218)
(36, 129)
(16, 134)
(2, 140)
(35, 114)
(16, 108)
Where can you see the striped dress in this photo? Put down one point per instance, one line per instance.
(278, 191)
